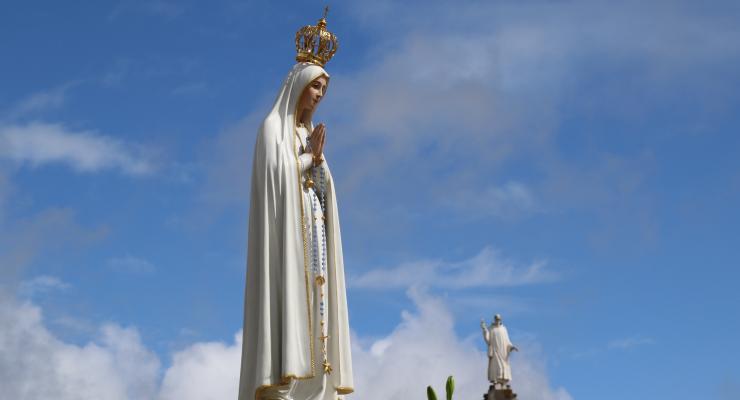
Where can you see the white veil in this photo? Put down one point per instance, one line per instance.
(278, 339)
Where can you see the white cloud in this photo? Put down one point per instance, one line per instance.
(6, 190)
(463, 302)
(166, 9)
(424, 349)
(508, 200)
(49, 231)
(486, 269)
(39, 143)
(630, 342)
(42, 284)
(228, 163)
(204, 371)
(191, 89)
(42, 101)
(445, 102)
(115, 74)
(131, 264)
(621, 344)
(35, 365)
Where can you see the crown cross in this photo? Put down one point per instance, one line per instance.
(315, 44)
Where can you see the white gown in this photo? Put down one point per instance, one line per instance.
(499, 349)
(283, 355)
(314, 388)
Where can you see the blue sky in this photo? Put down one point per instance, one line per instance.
(572, 165)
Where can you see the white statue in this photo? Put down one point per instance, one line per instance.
(499, 349)
(296, 329)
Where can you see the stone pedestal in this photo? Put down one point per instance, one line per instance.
(505, 393)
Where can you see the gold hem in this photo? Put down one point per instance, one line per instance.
(283, 381)
(344, 390)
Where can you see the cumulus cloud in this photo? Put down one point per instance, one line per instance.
(116, 365)
(40, 143)
(486, 269)
(204, 371)
(36, 365)
(424, 349)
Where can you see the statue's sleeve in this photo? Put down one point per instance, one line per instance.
(305, 161)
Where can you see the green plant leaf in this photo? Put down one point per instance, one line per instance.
(430, 393)
(450, 387)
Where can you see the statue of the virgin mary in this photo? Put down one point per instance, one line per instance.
(296, 329)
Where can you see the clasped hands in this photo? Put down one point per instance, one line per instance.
(316, 140)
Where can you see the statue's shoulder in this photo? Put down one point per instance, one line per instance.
(271, 129)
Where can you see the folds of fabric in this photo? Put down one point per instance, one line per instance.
(499, 368)
(278, 317)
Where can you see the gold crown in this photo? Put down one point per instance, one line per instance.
(315, 44)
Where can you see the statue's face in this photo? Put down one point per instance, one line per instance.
(312, 94)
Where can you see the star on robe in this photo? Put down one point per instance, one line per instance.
(327, 367)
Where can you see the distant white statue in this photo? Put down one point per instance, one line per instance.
(499, 349)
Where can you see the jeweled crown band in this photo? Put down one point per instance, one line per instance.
(314, 44)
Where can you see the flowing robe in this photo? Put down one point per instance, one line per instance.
(280, 306)
(499, 349)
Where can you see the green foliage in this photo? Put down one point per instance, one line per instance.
(430, 394)
(449, 389)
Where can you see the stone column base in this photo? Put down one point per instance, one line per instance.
(499, 394)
